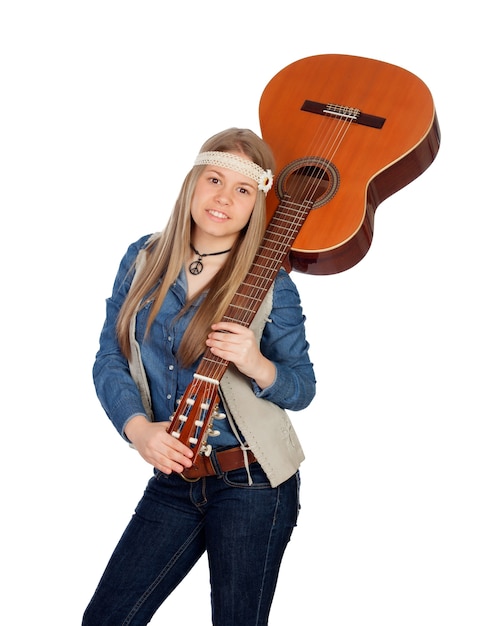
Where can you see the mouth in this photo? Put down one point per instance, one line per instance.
(217, 214)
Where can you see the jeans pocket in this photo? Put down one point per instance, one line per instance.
(240, 478)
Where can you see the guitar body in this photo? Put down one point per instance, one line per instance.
(357, 130)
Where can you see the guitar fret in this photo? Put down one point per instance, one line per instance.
(253, 285)
(286, 233)
(244, 300)
(231, 315)
(270, 260)
(237, 320)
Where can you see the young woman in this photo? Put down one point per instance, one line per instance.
(241, 503)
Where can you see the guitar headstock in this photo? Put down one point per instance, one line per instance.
(197, 409)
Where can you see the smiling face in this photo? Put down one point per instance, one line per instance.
(221, 207)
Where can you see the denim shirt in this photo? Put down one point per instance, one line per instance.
(283, 342)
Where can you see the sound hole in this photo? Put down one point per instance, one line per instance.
(311, 179)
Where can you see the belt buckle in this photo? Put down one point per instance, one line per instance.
(190, 480)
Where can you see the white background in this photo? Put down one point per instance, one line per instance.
(103, 107)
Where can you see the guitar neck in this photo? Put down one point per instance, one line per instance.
(280, 234)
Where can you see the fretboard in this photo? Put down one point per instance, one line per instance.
(280, 234)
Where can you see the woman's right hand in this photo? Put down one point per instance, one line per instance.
(157, 446)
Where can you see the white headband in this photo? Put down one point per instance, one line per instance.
(263, 178)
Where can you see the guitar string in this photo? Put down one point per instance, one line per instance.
(325, 143)
(328, 148)
(330, 143)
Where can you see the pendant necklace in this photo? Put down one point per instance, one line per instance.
(197, 266)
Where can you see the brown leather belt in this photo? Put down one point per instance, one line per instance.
(226, 460)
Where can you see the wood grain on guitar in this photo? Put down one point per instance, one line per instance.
(358, 129)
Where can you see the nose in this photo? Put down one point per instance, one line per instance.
(223, 198)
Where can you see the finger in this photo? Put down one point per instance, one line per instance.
(177, 450)
(228, 327)
(171, 461)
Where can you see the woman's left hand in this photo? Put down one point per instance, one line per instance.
(237, 344)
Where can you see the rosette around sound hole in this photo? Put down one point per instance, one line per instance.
(310, 179)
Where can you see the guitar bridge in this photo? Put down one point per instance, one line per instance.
(347, 114)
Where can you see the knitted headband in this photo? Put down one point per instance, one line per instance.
(263, 178)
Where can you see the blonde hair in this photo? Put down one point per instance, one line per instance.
(167, 251)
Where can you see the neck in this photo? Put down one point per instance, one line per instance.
(209, 245)
(197, 266)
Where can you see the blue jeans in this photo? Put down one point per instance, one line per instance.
(244, 529)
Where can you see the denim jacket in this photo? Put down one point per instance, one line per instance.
(283, 341)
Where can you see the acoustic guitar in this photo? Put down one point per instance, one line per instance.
(348, 132)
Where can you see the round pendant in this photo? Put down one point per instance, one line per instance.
(196, 267)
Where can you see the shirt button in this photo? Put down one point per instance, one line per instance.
(169, 338)
(171, 367)
(168, 396)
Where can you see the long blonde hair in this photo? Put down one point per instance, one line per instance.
(166, 253)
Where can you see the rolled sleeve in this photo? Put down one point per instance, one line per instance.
(284, 343)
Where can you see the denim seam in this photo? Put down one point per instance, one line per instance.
(159, 578)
